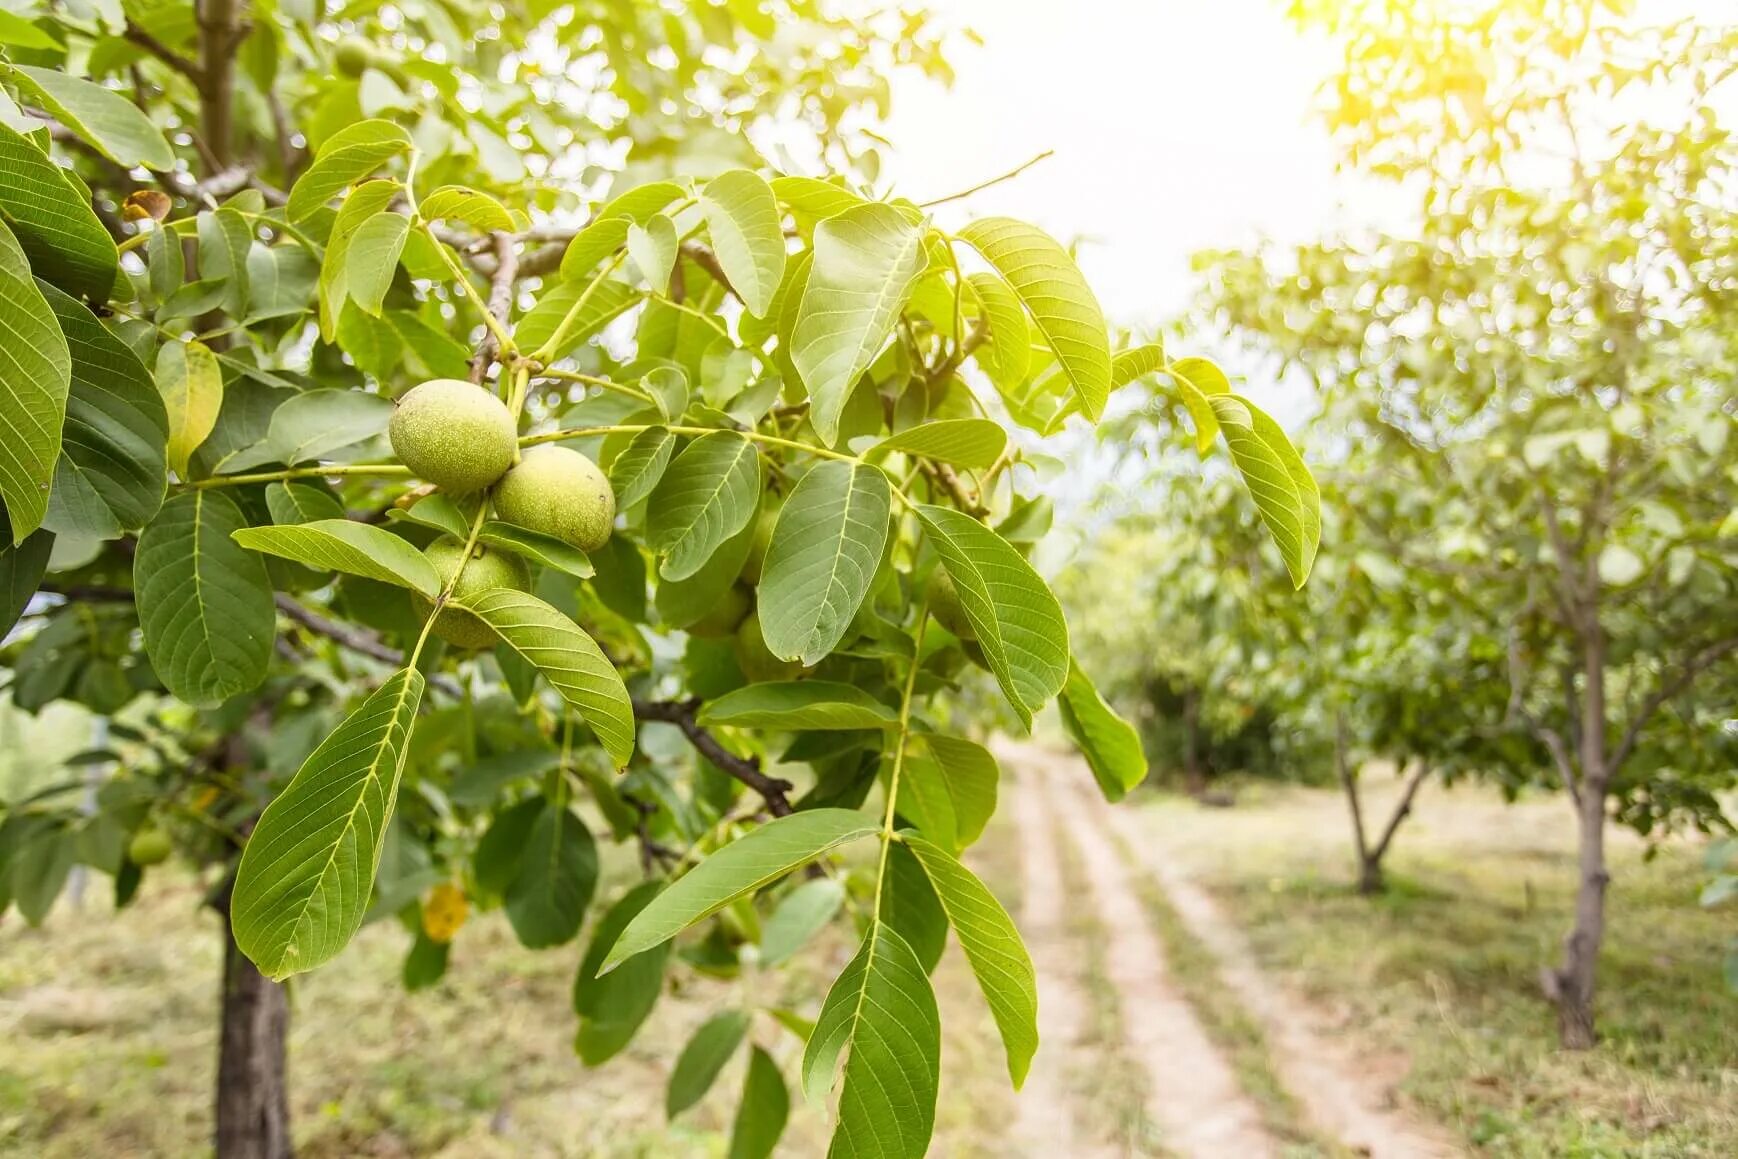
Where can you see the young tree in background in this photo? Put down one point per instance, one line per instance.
(1547, 362)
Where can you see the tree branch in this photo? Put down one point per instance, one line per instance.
(500, 303)
(1692, 668)
(745, 769)
(219, 34)
(1402, 809)
(364, 643)
(145, 40)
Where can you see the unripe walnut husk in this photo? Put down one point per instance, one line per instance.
(559, 492)
(488, 570)
(454, 434)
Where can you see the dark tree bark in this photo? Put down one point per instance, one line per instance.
(1194, 778)
(1571, 985)
(253, 1102)
(1371, 879)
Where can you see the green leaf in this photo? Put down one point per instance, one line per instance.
(557, 876)
(814, 198)
(952, 783)
(824, 552)
(611, 1007)
(1285, 494)
(798, 705)
(993, 947)
(363, 204)
(205, 604)
(35, 375)
(21, 569)
(19, 32)
(1062, 305)
(683, 602)
(301, 503)
(308, 869)
(1135, 363)
(866, 261)
(742, 867)
(538, 548)
(803, 913)
(743, 219)
(635, 472)
(105, 119)
(568, 658)
(372, 259)
(224, 242)
(654, 247)
(700, 1061)
(312, 425)
(347, 546)
(1017, 620)
(191, 385)
(54, 222)
(1007, 353)
(471, 206)
(975, 443)
(766, 1104)
(110, 477)
(608, 299)
(668, 386)
(1109, 743)
(345, 158)
(1198, 381)
(608, 230)
(708, 494)
(908, 906)
(883, 1009)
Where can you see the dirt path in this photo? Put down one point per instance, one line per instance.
(1339, 1092)
(1047, 1126)
(1192, 1094)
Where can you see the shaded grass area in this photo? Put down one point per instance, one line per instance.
(1195, 973)
(1441, 974)
(1107, 1086)
(108, 1022)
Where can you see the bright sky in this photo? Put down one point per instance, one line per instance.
(1178, 125)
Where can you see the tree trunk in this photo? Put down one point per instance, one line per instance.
(1571, 986)
(1369, 862)
(1194, 780)
(1370, 879)
(253, 1104)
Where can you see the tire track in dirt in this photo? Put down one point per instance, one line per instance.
(1047, 1125)
(1336, 1089)
(1192, 1094)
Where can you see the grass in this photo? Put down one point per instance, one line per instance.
(1440, 975)
(1195, 972)
(109, 1025)
(1107, 1085)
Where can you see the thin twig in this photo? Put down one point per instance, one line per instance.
(145, 40)
(982, 185)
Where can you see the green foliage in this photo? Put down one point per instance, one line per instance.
(272, 378)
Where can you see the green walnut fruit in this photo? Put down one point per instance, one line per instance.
(945, 606)
(487, 571)
(149, 846)
(559, 492)
(756, 659)
(352, 56)
(763, 527)
(725, 616)
(456, 435)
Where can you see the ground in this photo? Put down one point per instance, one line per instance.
(1207, 980)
